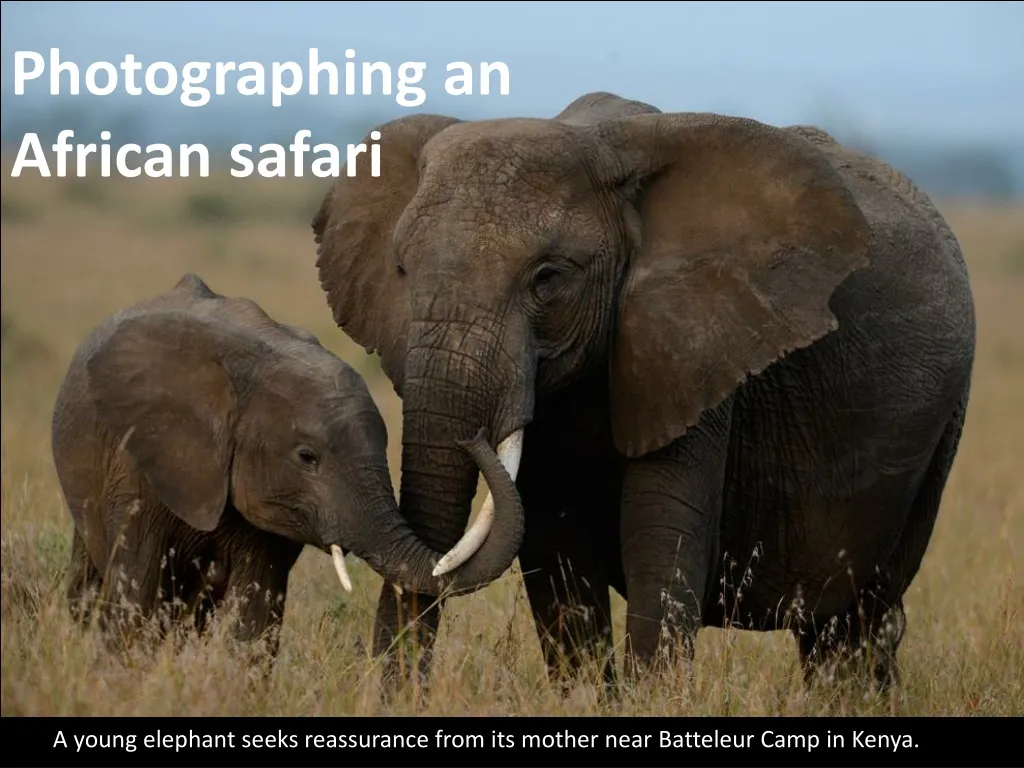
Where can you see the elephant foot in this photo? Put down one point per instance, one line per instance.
(669, 655)
(404, 632)
(841, 650)
(405, 674)
(82, 606)
(84, 583)
(405, 666)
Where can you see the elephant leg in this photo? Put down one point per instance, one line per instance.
(567, 586)
(874, 626)
(570, 484)
(404, 633)
(865, 637)
(138, 580)
(84, 581)
(259, 583)
(671, 509)
(212, 590)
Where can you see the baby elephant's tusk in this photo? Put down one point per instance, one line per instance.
(339, 567)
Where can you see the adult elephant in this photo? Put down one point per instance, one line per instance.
(708, 342)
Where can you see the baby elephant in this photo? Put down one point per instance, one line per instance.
(199, 445)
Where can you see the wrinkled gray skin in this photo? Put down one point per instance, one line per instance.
(200, 444)
(730, 345)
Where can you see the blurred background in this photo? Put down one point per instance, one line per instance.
(935, 88)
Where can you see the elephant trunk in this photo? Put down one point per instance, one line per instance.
(510, 452)
(454, 401)
(408, 563)
(455, 386)
(373, 526)
(394, 550)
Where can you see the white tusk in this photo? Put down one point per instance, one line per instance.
(509, 453)
(339, 566)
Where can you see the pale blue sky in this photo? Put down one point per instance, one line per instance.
(945, 69)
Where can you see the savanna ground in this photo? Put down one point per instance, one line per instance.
(75, 250)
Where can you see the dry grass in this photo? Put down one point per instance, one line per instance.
(76, 250)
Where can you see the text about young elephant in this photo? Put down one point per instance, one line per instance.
(446, 739)
(195, 83)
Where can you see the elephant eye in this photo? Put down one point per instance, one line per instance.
(308, 457)
(545, 282)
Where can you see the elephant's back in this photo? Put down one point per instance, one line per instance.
(907, 319)
(916, 270)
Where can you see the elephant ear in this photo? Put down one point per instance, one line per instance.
(162, 384)
(365, 285)
(746, 232)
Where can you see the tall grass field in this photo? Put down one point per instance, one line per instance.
(75, 250)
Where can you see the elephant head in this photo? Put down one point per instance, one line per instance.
(495, 262)
(221, 407)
